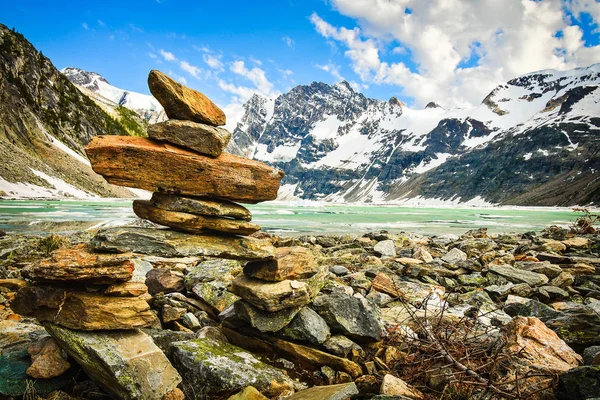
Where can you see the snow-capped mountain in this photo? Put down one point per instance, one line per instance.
(145, 105)
(532, 141)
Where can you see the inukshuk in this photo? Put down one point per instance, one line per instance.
(195, 183)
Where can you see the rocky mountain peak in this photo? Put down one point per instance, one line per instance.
(395, 102)
(432, 104)
(84, 78)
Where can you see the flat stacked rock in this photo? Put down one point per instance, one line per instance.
(78, 289)
(195, 184)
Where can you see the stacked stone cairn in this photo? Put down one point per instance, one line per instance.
(195, 183)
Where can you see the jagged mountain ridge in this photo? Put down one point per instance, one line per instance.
(93, 83)
(44, 125)
(532, 141)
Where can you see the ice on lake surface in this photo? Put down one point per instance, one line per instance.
(38, 216)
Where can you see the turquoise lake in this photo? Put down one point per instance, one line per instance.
(38, 216)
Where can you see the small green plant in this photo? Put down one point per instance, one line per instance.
(50, 243)
(584, 224)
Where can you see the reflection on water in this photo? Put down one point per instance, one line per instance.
(292, 219)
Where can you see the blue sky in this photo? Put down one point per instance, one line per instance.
(449, 51)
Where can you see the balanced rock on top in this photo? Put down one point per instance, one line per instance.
(183, 103)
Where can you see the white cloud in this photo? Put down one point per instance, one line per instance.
(101, 23)
(255, 61)
(508, 38)
(152, 55)
(254, 75)
(288, 41)
(179, 78)
(213, 61)
(85, 26)
(204, 49)
(286, 72)
(190, 69)
(333, 69)
(167, 55)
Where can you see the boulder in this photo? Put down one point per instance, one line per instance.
(183, 103)
(127, 289)
(454, 256)
(164, 280)
(168, 243)
(392, 386)
(208, 280)
(77, 264)
(192, 223)
(289, 263)
(544, 267)
(576, 324)
(385, 248)
(204, 139)
(82, 310)
(354, 316)
(126, 364)
(17, 336)
(47, 360)
(342, 391)
(262, 320)
(211, 368)
(276, 296)
(581, 383)
(515, 275)
(538, 346)
(159, 167)
(307, 326)
(200, 206)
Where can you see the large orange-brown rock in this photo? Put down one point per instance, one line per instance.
(82, 310)
(186, 222)
(538, 347)
(77, 264)
(184, 103)
(160, 167)
(289, 263)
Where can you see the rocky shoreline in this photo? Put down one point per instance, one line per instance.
(376, 316)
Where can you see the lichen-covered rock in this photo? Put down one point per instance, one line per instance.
(125, 363)
(77, 309)
(354, 316)
(454, 256)
(213, 368)
(341, 346)
(591, 355)
(200, 206)
(168, 243)
(262, 320)
(515, 275)
(249, 393)
(209, 280)
(307, 326)
(204, 139)
(289, 263)
(183, 103)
